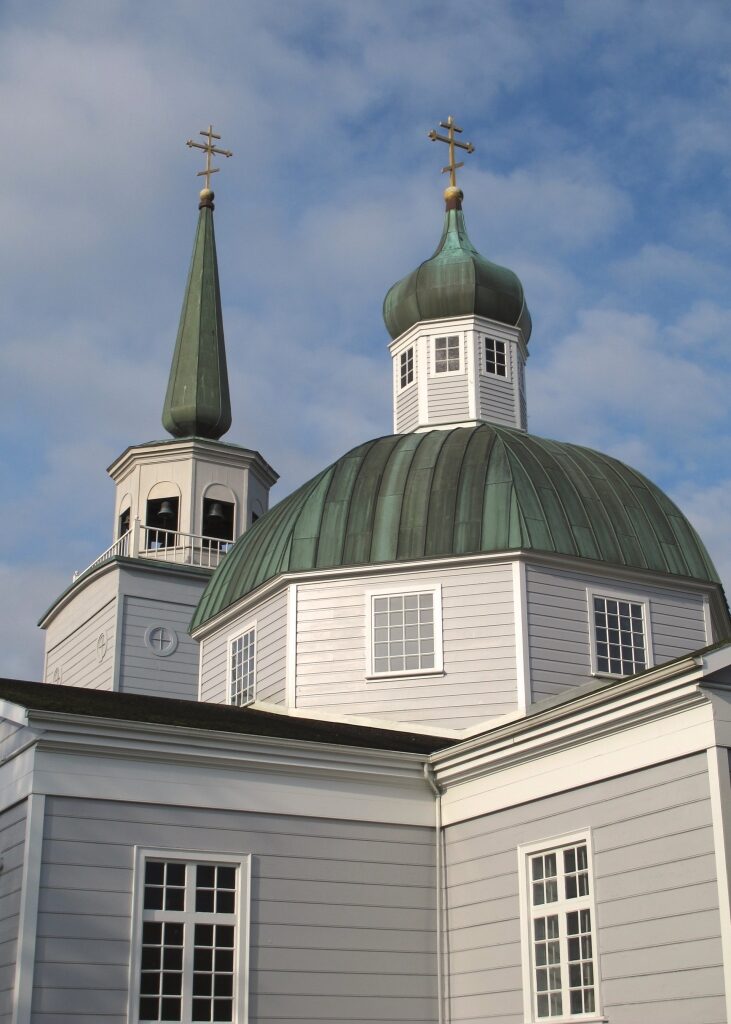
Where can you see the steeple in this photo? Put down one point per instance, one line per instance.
(197, 403)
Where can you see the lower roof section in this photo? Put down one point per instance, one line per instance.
(223, 718)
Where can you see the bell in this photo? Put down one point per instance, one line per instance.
(166, 510)
(215, 511)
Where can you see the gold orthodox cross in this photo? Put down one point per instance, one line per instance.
(452, 143)
(209, 149)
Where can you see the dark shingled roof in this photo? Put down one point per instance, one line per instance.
(460, 492)
(191, 714)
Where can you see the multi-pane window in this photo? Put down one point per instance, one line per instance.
(404, 634)
(619, 636)
(242, 677)
(188, 943)
(407, 367)
(446, 354)
(496, 357)
(561, 937)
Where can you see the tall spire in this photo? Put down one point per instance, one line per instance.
(197, 402)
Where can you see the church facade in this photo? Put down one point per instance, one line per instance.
(441, 737)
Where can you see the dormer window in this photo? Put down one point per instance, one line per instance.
(407, 367)
(446, 354)
(496, 361)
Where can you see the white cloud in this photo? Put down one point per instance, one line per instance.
(708, 510)
(25, 593)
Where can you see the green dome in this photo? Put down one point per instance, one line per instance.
(460, 492)
(456, 281)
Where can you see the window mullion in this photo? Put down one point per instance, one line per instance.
(188, 943)
(564, 947)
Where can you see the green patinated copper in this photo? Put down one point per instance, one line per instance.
(462, 492)
(456, 281)
(197, 403)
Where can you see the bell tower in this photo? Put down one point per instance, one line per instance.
(180, 504)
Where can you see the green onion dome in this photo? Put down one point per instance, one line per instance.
(464, 491)
(456, 281)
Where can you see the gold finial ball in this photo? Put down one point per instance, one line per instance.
(206, 195)
(452, 192)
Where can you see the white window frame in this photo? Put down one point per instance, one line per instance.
(404, 387)
(395, 591)
(250, 627)
(243, 918)
(483, 357)
(617, 595)
(525, 852)
(460, 372)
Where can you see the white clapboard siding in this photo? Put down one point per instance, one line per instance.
(479, 679)
(12, 843)
(448, 398)
(271, 653)
(342, 913)
(142, 671)
(655, 887)
(559, 617)
(77, 654)
(407, 409)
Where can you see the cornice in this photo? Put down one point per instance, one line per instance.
(187, 447)
(567, 562)
(89, 576)
(459, 323)
(621, 705)
(181, 745)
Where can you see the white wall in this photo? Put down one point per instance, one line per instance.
(656, 894)
(478, 637)
(559, 617)
(271, 650)
(342, 913)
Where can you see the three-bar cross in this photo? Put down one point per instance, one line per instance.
(452, 143)
(209, 149)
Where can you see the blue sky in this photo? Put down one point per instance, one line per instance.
(601, 176)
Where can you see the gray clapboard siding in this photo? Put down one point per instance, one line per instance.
(12, 846)
(342, 913)
(141, 671)
(559, 617)
(658, 925)
(407, 408)
(76, 654)
(271, 653)
(497, 400)
(448, 397)
(478, 631)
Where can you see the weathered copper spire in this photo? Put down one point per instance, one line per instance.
(197, 403)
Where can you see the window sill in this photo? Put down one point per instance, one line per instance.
(615, 675)
(578, 1018)
(423, 673)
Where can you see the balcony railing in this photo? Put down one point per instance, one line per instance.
(165, 546)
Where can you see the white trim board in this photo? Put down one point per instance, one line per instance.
(243, 862)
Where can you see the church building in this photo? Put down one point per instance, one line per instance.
(441, 737)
